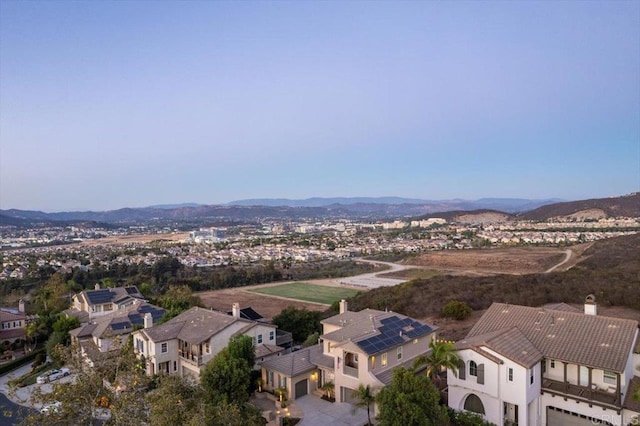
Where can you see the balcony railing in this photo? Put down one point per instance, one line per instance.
(191, 357)
(350, 371)
(582, 393)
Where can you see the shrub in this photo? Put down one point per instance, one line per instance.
(457, 310)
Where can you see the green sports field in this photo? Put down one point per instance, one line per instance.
(308, 292)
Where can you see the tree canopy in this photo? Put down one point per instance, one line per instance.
(410, 400)
(300, 322)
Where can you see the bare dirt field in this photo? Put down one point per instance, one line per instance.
(143, 238)
(516, 260)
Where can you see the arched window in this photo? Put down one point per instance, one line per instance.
(473, 368)
(473, 403)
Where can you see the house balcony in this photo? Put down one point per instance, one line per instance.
(350, 371)
(191, 357)
(612, 400)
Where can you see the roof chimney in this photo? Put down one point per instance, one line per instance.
(590, 307)
(235, 310)
(344, 306)
(97, 286)
(21, 306)
(148, 320)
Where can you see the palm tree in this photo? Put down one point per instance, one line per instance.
(365, 397)
(442, 355)
(328, 387)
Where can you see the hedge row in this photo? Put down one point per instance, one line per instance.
(10, 366)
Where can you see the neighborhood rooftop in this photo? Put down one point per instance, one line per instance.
(375, 331)
(590, 340)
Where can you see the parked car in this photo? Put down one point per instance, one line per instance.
(52, 375)
(52, 407)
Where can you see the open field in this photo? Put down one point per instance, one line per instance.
(143, 238)
(307, 292)
(515, 260)
(267, 306)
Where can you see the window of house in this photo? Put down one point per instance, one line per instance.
(207, 348)
(473, 368)
(399, 352)
(531, 376)
(553, 364)
(272, 335)
(510, 374)
(373, 362)
(108, 307)
(175, 366)
(383, 359)
(609, 377)
(270, 378)
(164, 348)
(259, 339)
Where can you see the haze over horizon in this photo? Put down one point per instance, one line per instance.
(105, 105)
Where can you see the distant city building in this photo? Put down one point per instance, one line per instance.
(209, 236)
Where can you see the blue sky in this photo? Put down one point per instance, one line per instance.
(127, 104)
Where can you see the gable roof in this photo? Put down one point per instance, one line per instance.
(110, 295)
(196, 325)
(375, 331)
(122, 321)
(299, 362)
(509, 342)
(590, 340)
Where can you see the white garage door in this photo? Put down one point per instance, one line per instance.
(557, 417)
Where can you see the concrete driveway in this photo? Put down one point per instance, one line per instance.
(318, 412)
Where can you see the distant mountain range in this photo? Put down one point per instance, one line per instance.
(510, 205)
(319, 208)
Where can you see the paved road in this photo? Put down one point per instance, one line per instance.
(11, 413)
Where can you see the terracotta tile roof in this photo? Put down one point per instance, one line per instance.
(590, 340)
(562, 307)
(8, 316)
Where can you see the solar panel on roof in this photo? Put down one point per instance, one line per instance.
(131, 290)
(120, 326)
(99, 296)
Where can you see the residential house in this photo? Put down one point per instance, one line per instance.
(185, 344)
(356, 348)
(108, 332)
(90, 304)
(13, 323)
(547, 366)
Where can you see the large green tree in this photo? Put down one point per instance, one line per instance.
(226, 378)
(300, 322)
(442, 355)
(410, 400)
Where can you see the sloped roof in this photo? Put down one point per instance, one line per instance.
(590, 340)
(248, 313)
(118, 322)
(298, 362)
(8, 316)
(266, 349)
(509, 342)
(195, 325)
(376, 331)
(113, 295)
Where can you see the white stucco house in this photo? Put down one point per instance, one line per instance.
(550, 366)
